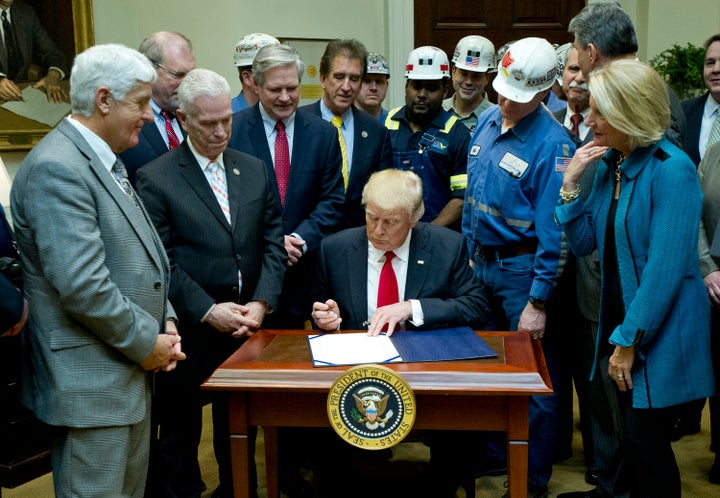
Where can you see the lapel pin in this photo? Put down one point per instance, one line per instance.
(421, 261)
(364, 134)
(236, 172)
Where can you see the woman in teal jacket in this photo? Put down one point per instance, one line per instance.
(643, 215)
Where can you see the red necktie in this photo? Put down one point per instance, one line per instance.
(282, 159)
(388, 287)
(172, 137)
(576, 119)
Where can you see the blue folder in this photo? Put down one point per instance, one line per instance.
(458, 343)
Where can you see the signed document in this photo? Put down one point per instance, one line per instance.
(329, 350)
(458, 343)
(35, 105)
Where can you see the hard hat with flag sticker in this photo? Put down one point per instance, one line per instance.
(427, 63)
(475, 53)
(377, 64)
(528, 67)
(247, 48)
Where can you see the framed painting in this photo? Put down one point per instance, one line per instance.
(70, 24)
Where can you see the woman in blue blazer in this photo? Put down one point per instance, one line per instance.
(643, 215)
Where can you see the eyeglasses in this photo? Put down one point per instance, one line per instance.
(178, 75)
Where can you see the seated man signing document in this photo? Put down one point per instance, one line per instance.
(395, 272)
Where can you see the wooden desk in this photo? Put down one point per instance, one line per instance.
(273, 384)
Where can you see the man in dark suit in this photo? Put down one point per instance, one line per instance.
(96, 276)
(439, 289)
(435, 288)
(702, 112)
(24, 42)
(172, 55)
(578, 289)
(302, 155)
(218, 215)
(366, 142)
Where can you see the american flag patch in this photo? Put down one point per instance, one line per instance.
(561, 164)
(472, 61)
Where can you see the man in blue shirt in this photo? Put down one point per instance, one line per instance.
(515, 165)
(245, 51)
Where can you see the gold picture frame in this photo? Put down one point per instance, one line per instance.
(18, 133)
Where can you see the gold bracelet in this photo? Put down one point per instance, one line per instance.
(570, 196)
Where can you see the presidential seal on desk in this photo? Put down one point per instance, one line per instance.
(371, 407)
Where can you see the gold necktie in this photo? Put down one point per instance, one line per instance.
(337, 123)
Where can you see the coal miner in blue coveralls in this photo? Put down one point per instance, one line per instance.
(515, 164)
(429, 140)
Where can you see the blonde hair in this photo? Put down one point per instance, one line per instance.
(393, 189)
(633, 98)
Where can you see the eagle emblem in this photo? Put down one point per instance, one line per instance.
(371, 405)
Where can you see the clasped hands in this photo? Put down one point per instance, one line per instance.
(237, 319)
(167, 351)
(327, 316)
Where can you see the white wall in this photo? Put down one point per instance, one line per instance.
(214, 26)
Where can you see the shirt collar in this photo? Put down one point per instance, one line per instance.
(710, 106)
(327, 114)
(203, 161)
(269, 122)
(98, 145)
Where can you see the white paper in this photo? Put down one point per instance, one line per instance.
(351, 349)
(35, 106)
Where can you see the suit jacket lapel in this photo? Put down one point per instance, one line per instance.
(138, 218)
(154, 138)
(357, 258)
(258, 138)
(419, 263)
(297, 157)
(193, 174)
(236, 185)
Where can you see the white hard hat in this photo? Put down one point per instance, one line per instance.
(562, 52)
(247, 48)
(377, 64)
(528, 67)
(427, 63)
(475, 53)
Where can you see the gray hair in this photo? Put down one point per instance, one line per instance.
(114, 66)
(394, 189)
(200, 83)
(153, 47)
(608, 27)
(271, 56)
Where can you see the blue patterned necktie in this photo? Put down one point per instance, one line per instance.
(121, 175)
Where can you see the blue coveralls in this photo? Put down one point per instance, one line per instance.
(513, 183)
(437, 154)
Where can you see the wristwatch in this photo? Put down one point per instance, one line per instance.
(539, 304)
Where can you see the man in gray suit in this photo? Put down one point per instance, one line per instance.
(97, 277)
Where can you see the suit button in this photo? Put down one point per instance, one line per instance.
(235, 290)
(238, 257)
(158, 286)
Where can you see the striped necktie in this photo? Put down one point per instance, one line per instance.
(172, 137)
(715, 130)
(219, 188)
(337, 122)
